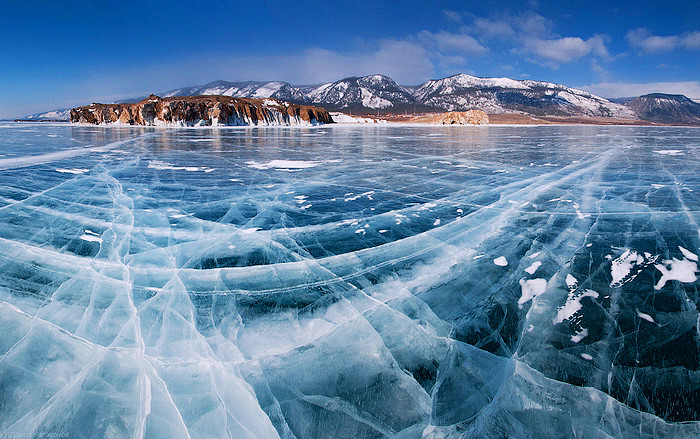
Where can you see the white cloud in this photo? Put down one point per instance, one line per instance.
(483, 27)
(690, 89)
(451, 42)
(643, 40)
(529, 24)
(533, 25)
(450, 61)
(692, 40)
(603, 73)
(403, 61)
(452, 15)
(566, 49)
(533, 35)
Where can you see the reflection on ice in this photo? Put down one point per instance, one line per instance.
(366, 282)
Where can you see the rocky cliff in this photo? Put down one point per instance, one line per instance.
(201, 111)
(471, 117)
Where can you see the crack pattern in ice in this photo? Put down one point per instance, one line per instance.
(365, 282)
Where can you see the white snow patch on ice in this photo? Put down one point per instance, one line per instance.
(72, 171)
(644, 316)
(533, 267)
(90, 238)
(579, 335)
(675, 269)
(688, 254)
(572, 305)
(621, 267)
(356, 197)
(283, 164)
(669, 152)
(160, 165)
(501, 261)
(531, 288)
(579, 214)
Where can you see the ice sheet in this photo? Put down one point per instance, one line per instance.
(350, 281)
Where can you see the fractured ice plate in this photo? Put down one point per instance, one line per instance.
(365, 282)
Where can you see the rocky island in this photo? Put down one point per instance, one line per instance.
(470, 117)
(201, 111)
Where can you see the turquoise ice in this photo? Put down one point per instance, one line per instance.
(340, 281)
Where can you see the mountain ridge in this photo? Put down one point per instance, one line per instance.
(666, 108)
(379, 94)
(459, 92)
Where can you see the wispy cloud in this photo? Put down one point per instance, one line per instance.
(690, 89)
(642, 39)
(452, 15)
(451, 42)
(603, 73)
(566, 49)
(404, 61)
(533, 36)
(488, 28)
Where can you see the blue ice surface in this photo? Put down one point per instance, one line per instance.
(349, 282)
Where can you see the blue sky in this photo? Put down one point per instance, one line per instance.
(62, 54)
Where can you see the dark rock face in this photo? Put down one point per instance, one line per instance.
(666, 108)
(201, 110)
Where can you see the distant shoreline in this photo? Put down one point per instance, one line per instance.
(526, 119)
(507, 119)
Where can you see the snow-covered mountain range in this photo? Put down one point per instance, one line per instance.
(57, 115)
(367, 92)
(455, 93)
(461, 92)
(247, 89)
(505, 95)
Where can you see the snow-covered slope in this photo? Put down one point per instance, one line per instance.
(666, 108)
(247, 89)
(366, 92)
(455, 93)
(62, 114)
(504, 95)
(342, 118)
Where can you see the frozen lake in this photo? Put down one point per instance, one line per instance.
(349, 282)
